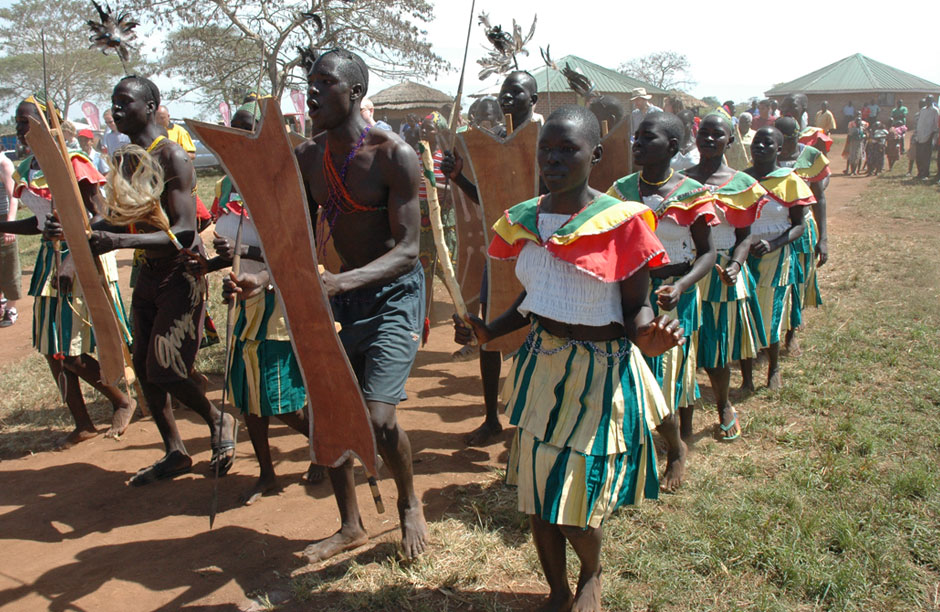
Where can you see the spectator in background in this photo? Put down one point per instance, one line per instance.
(848, 113)
(925, 134)
(86, 141)
(368, 114)
(486, 114)
(176, 132)
(754, 110)
(875, 109)
(775, 111)
(765, 117)
(745, 120)
(893, 144)
(875, 154)
(866, 111)
(672, 104)
(69, 132)
(824, 119)
(899, 113)
(112, 139)
(641, 105)
(10, 272)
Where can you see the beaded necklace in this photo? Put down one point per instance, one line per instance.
(339, 201)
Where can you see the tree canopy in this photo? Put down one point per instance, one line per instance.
(74, 71)
(665, 69)
(237, 38)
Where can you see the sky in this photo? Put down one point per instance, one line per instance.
(729, 58)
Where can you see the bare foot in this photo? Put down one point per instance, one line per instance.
(747, 387)
(773, 379)
(75, 437)
(588, 598)
(414, 530)
(263, 487)
(335, 544)
(484, 434)
(315, 474)
(121, 419)
(558, 603)
(675, 470)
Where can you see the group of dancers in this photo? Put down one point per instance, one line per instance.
(625, 294)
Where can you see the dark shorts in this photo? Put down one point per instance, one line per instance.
(382, 332)
(168, 306)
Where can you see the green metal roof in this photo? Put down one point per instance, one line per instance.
(855, 73)
(605, 80)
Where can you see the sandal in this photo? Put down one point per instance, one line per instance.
(732, 426)
(223, 452)
(160, 471)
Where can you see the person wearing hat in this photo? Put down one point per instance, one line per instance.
(86, 140)
(641, 105)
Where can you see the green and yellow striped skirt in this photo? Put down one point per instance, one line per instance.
(732, 326)
(773, 275)
(585, 413)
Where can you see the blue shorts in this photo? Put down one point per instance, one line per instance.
(381, 333)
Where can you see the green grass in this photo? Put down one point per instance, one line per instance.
(830, 502)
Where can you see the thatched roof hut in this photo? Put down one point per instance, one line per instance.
(396, 102)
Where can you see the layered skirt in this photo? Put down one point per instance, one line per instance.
(675, 369)
(732, 324)
(805, 283)
(773, 275)
(585, 414)
(265, 379)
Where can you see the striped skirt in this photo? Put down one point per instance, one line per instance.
(675, 369)
(732, 326)
(773, 276)
(806, 285)
(585, 413)
(265, 379)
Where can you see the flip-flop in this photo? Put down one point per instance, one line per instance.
(223, 453)
(157, 472)
(730, 426)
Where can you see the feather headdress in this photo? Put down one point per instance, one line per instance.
(579, 83)
(114, 32)
(506, 46)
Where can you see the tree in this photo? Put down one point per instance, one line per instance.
(74, 72)
(270, 31)
(664, 69)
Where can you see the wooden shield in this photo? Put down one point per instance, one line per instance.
(617, 161)
(471, 248)
(737, 156)
(505, 174)
(74, 218)
(262, 165)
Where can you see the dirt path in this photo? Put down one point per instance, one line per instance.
(75, 537)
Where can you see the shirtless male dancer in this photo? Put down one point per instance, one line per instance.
(517, 98)
(362, 185)
(168, 302)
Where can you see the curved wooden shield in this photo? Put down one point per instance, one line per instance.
(74, 218)
(737, 155)
(262, 165)
(471, 248)
(505, 174)
(617, 161)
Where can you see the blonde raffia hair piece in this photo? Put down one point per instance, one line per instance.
(137, 200)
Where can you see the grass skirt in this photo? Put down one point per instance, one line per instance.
(585, 413)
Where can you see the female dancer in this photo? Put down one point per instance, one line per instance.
(732, 327)
(782, 221)
(582, 398)
(685, 211)
(61, 332)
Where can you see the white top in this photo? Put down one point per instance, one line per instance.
(927, 121)
(227, 227)
(557, 290)
(723, 236)
(683, 161)
(774, 220)
(677, 240)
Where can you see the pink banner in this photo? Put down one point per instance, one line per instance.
(226, 111)
(300, 103)
(91, 113)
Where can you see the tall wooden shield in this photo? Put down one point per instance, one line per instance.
(617, 161)
(262, 165)
(471, 248)
(505, 174)
(74, 218)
